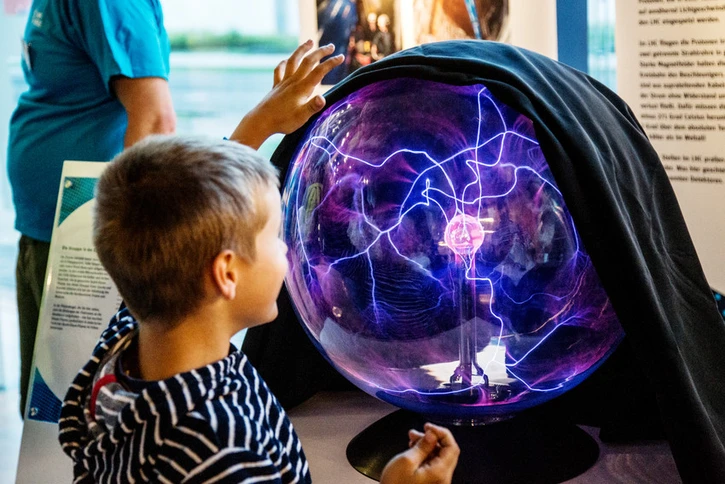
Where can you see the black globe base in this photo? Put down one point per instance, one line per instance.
(529, 448)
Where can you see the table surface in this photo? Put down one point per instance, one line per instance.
(329, 420)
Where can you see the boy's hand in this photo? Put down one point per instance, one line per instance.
(431, 458)
(292, 101)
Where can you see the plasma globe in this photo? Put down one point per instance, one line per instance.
(433, 260)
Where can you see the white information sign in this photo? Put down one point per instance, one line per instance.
(78, 301)
(671, 71)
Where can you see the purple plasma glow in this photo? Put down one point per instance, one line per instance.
(432, 258)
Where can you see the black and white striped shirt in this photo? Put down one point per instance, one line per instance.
(217, 424)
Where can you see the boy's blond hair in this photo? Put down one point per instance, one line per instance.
(166, 207)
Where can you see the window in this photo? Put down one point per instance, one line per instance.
(223, 56)
(602, 58)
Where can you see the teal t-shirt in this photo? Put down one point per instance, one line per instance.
(72, 51)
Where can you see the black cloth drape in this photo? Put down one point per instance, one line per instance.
(627, 216)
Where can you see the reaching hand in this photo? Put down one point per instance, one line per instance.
(431, 458)
(292, 101)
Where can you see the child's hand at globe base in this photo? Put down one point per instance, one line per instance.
(292, 100)
(431, 458)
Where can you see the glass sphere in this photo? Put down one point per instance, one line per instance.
(433, 260)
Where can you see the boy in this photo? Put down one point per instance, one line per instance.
(188, 229)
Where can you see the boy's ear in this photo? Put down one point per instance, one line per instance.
(225, 273)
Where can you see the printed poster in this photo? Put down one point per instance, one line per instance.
(369, 30)
(78, 301)
(671, 71)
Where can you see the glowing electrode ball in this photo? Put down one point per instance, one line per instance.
(433, 260)
(464, 234)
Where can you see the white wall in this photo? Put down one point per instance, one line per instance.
(533, 26)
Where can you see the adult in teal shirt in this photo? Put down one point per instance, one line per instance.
(97, 73)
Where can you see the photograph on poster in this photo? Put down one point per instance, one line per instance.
(435, 20)
(363, 30)
(368, 30)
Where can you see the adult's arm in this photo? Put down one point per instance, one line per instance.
(147, 101)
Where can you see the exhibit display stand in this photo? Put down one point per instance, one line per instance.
(78, 301)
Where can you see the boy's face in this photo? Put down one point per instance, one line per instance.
(263, 277)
